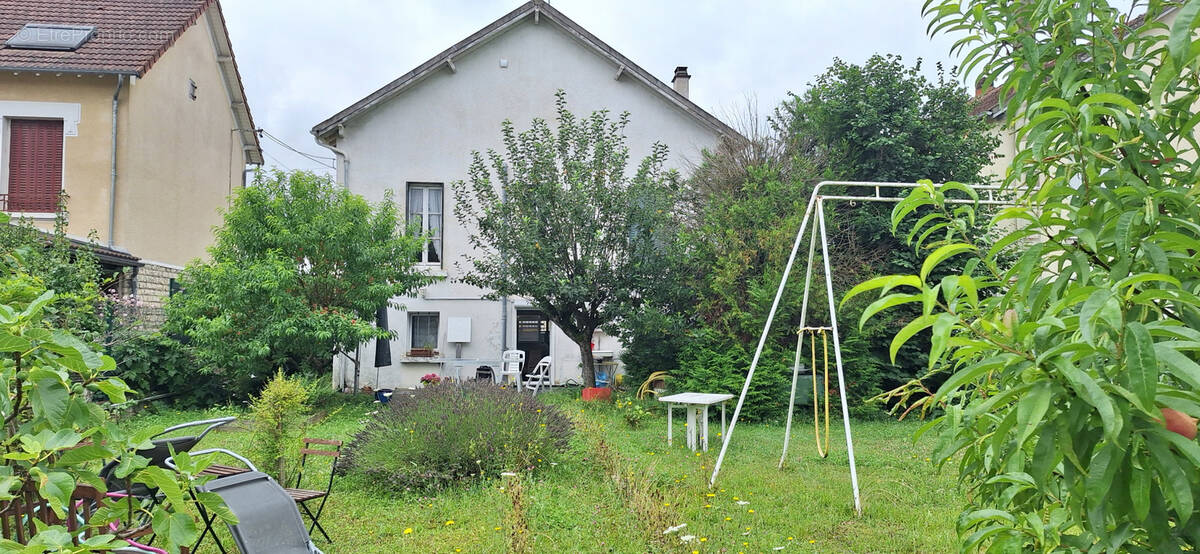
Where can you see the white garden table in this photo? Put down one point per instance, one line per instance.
(696, 405)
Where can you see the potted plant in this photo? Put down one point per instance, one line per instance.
(421, 352)
(431, 379)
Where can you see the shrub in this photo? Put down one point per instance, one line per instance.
(430, 438)
(714, 364)
(154, 364)
(279, 418)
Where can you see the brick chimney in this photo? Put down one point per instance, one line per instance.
(680, 80)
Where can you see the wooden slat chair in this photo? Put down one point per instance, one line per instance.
(18, 516)
(303, 496)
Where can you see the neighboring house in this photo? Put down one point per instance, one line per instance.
(414, 136)
(132, 109)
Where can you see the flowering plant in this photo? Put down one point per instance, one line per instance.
(431, 379)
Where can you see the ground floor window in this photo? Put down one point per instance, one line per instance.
(423, 329)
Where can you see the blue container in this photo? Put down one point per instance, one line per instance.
(383, 395)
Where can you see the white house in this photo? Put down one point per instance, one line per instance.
(415, 135)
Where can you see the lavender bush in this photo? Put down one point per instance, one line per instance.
(431, 438)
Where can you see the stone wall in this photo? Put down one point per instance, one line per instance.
(153, 289)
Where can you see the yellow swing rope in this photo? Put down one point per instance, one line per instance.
(822, 452)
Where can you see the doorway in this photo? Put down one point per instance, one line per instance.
(533, 336)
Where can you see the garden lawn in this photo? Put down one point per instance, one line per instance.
(908, 506)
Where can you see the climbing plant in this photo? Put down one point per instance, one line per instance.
(1071, 389)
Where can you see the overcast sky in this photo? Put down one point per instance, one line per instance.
(304, 60)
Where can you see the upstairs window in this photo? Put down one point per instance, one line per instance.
(35, 165)
(425, 211)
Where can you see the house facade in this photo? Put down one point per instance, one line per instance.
(414, 137)
(131, 110)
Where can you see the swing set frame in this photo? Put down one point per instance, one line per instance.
(816, 210)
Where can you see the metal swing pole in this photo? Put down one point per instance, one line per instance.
(787, 434)
(837, 356)
(762, 340)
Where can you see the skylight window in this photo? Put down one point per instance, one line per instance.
(40, 36)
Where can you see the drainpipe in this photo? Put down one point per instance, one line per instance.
(344, 179)
(112, 185)
(503, 299)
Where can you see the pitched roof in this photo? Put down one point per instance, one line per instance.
(536, 9)
(130, 36)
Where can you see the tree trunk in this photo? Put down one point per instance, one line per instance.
(585, 356)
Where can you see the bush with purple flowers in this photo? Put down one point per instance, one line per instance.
(433, 437)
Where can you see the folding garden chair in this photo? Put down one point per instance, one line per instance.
(539, 377)
(160, 452)
(303, 496)
(268, 521)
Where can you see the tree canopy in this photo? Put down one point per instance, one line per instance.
(556, 218)
(299, 269)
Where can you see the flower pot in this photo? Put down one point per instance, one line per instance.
(596, 393)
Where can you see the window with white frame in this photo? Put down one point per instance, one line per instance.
(425, 212)
(423, 330)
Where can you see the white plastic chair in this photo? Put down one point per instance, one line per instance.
(539, 377)
(511, 362)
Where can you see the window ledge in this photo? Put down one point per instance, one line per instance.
(37, 216)
(435, 270)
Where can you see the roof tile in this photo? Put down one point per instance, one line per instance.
(130, 34)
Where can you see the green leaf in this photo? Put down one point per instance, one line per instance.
(1089, 390)
(49, 399)
(1180, 40)
(1176, 485)
(1031, 408)
(177, 528)
(12, 343)
(885, 282)
(915, 326)
(115, 389)
(54, 486)
(1141, 365)
(940, 255)
(885, 303)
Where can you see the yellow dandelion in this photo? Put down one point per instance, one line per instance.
(408, 531)
(703, 539)
(449, 522)
(790, 538)
(812, 541)
(496, 529)
(750, 511)
(708, 505)
(666, 503)
(728, 519)
(697, 454)
(539, 410)
(710, 495)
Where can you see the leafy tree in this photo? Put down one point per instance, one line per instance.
(55, 436)
(73, 273)
(1070, 392)
(298, 270)
(884, 121)
(557, 219)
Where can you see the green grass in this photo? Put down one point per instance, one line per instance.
(807, 506)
